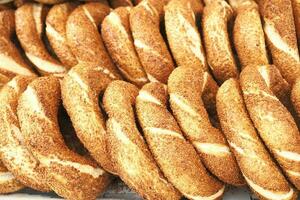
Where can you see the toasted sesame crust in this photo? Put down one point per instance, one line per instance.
(272, 120)
(30, 19)
(151, 48)
(56, 32)
(80, 93)
(120, 3)
(12, 63)
(83, 37)
(220, 58)
(281, 37)
(185, 87)
(130, 155)
(172, 152)
(254, 160)
(14, 155)
(117, 37)
(68, 174)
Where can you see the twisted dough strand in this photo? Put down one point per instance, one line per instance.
(248, 34)
(261, 173)
(185, 87)
(68, 174)
(15, 156)
(182, 32)
(174, 155)
(130, 155)
(152, 50)
(84, 39)
(220, 58)
(281, 36)
(274, 123)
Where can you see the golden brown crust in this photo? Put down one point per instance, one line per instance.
(8, 183)
(117, 37)
(296, 9)
(68, 174)
(152, 50)
(13, 153)
(216, 16)
(130, 155)
(12, 63)
(182, 32)
(165, 139)
(274, 123)
(80, 92)
(29, 28)
(185, 87)
(3, 80)
(254, 160)
(120, 3)
(295, 96)
(84, 39)
(248, 34)
(56, 32)
(281, 36)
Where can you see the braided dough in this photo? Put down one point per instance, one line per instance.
(172, 152)
(80, 92)
(274, 123)
(12, 63)
(248, 34)
(117, 37)
(220, 58)
(29, 27)
(130, 155)
(68, 174)
(185, 87)
(13, 153)
(182, 32)
(152, 50)
(281, 36)
(56, 32)
(83, 35)
(261, 173)
(120, 3)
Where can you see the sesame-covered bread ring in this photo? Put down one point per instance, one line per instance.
(272, 120)
(248, 34)
(12, 63)
(295, 96)
(68, 174)
(56, 32)
(30, 27)
(14, 154)
(120, 3)
(216, 16)
(80, 93)
(130, 155)
(175, 156)
(261, 173)
(152, 50)
(185, 87)
(281, 37)
(182, 32)
(117, 37)
(84, 39)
